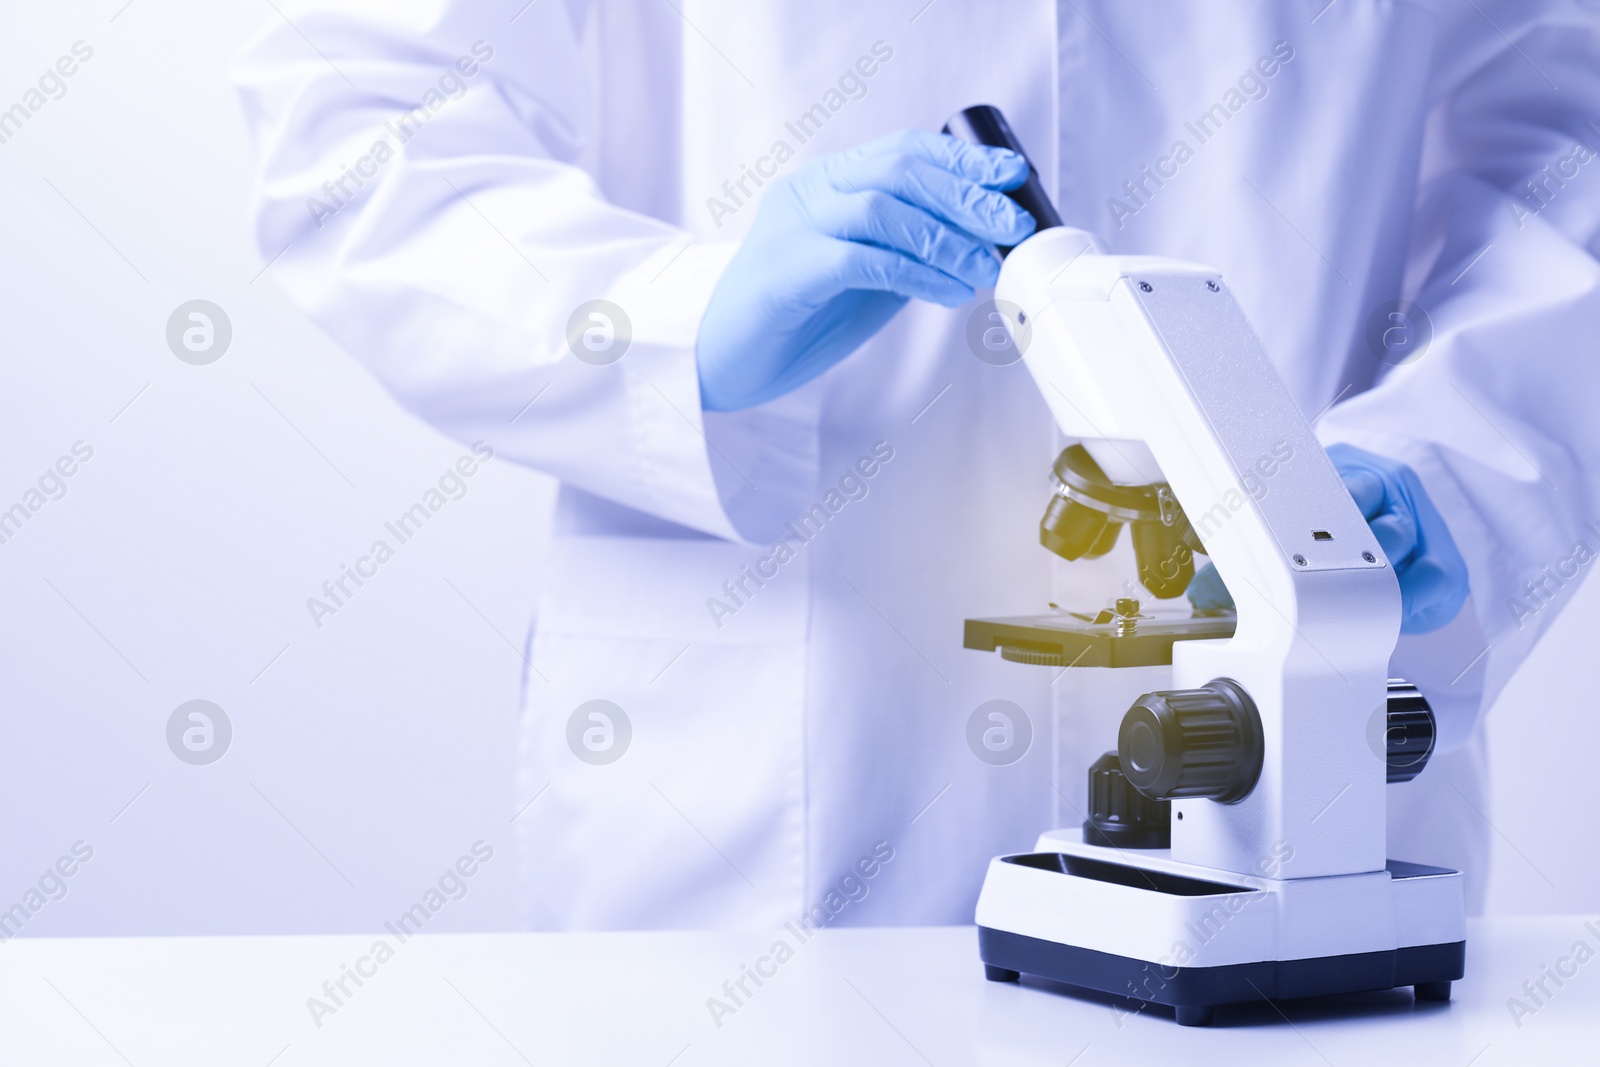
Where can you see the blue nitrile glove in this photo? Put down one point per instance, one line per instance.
(840, 245)
(1433, 576)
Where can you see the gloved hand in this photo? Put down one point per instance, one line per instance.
(1433, 576)
(840, 245)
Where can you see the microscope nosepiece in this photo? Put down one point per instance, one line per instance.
(1088, 510)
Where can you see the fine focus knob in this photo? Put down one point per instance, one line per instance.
(1410, 731)
(1119, 815)
(1184, 743)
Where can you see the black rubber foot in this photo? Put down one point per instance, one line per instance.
(1193, 991)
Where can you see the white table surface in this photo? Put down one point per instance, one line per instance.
(870, 996)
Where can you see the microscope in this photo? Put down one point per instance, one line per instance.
(1234, 846)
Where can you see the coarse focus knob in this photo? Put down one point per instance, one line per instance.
(1409, 733)
(1119, 815)
(1184, 743)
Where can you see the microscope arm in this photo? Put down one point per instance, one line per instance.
(1153, 367)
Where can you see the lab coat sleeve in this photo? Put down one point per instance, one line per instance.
(424, 191)
(1498, 415)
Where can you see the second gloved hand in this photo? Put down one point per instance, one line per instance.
(1412, 533)
(840, 246)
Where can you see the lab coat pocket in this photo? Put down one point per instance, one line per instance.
(662, 737)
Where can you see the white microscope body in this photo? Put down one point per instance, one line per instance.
(1285, 890)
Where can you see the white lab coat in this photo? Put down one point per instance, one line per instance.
(773, 747)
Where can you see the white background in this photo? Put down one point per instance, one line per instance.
(370, 754)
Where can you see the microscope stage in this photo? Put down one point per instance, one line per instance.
(1076, 639)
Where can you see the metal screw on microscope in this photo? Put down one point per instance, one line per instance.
(1145, 287)
(1300, 561)
(1214, 287)
(997, 332)
(1369, 557)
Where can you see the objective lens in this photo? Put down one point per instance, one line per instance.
(1073, 531)
(1166, 564)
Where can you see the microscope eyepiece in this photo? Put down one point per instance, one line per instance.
(985, 124)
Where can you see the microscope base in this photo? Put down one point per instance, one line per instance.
(1142, 926)
(1193, 991)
